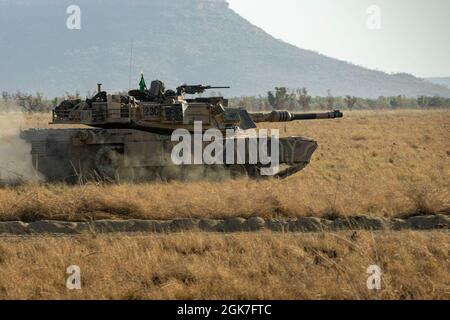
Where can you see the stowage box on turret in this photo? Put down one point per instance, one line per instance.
(130, 137)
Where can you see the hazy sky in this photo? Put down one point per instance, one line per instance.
(413, 35)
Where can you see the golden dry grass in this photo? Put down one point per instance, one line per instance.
(378, 163)
(385, 164)
(414, 265)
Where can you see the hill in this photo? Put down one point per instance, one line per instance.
(188, 41)
(443, 81)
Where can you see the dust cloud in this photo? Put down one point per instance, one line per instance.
(15, 158)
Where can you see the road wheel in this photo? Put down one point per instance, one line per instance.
(238, 171)
(107, 162)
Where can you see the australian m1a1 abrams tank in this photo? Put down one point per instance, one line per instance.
(131, 138)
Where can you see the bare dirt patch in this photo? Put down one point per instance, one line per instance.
(307, 224)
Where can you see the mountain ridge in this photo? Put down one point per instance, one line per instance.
(189, 41)
(443, 81)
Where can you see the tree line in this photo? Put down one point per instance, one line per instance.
(281, 98)
(26, 102)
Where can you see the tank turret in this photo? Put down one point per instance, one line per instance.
(163, 111)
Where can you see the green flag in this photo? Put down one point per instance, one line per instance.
(142, 85)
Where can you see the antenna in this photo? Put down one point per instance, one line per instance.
(131, 64)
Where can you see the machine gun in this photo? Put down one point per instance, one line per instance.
(195, 89)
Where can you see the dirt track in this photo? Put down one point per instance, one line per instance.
(432, 222)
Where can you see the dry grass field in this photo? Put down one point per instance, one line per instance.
(391, 163)
(383, 164)
(414, 265)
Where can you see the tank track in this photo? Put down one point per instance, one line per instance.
(78, 155)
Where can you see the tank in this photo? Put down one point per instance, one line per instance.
(129, 137)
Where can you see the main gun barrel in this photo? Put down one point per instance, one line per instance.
(313, 116)
(285, 116)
